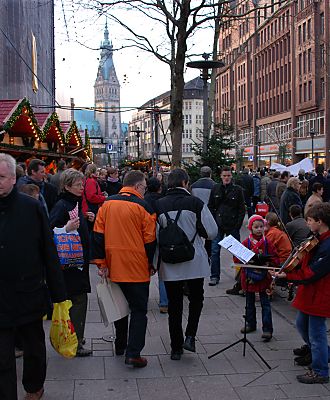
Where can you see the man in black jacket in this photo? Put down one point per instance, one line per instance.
(246, 182)
(228, 208)
(28, 259)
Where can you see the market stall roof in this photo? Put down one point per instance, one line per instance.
(72, 135)
(51, 128)
(18, 119)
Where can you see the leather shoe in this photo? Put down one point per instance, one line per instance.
(189, 344)
(138, 362)
(213, 282)
(303, 361)
(120, 351)
(176, 355)
(34, 396)
(81, 352)
(267, 336)
(302, 351)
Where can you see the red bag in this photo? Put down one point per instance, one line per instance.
(262, 209)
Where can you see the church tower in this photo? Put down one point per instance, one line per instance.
(107, 96)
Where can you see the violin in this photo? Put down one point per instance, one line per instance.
(294, 260)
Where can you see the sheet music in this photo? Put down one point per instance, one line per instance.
(237, 249)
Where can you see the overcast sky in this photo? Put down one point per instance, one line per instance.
(140, 74)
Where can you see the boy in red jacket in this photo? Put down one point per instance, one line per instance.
(258, 280)
(313, 295)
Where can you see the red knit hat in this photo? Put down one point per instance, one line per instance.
(254, 218)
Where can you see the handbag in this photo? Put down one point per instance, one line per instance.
(69, 248)
(112, 302)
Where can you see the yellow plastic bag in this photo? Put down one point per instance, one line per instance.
(62, 335)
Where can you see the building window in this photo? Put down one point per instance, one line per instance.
(304, 32)
(322, 23)
(309, 29)
(310, 88)
(322, 50)
(322, 88)
(299, 34)
(309, 60)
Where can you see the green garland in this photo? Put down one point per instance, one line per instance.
(18, 112)
(73, 128)
(53, 118)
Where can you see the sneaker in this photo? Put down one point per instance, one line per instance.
(248, 329)
(34, 396)
(312, 377)
(189, 344)
(303, 361)
(213, 281)
(81, 352)
(267, 336)
(138, 362)
(163, 309)
(176, 355)
(302, 351)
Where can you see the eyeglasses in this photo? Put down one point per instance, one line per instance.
(144, 186)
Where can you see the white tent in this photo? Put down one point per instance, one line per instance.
(305, 164)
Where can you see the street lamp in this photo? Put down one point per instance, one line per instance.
(204, 66)
(126, 144)
(259, 153)
(138, 134)
(312, 133)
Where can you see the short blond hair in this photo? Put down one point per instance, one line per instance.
(69, 177)
(91, 169)
(292, 182)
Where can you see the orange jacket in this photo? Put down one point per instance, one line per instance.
(126, 228)
(280, 241)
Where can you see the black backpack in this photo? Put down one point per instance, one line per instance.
(174, 245)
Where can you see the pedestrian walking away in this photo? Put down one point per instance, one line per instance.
(124, 242)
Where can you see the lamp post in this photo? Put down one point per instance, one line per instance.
(138, 132)
(312, 133)
(126, 144)
(259, 153)
(204, 66)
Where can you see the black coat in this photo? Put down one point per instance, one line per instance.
(227, 206)
(28, 258)
(288, 199)
(113, 187)
(151, 198)
(76, 280)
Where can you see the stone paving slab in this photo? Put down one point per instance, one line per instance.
(164, 388)
(114, 389)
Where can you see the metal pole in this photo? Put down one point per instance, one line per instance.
(313, 149)
(205, 110)
(138, 145)
(156, 116)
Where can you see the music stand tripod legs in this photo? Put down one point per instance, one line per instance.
(243, 340)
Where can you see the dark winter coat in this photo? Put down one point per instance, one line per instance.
(271, 193)
(298, 230)
(113, 187)
(202, 189)
(28, 258)
(313, 278)
(227, 206)
(151, 198)
(319, 178)
(246, 182)
(76, 280)
(289, 198)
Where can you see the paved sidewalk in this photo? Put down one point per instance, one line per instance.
(228, 376)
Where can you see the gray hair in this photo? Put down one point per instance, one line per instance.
(206, 172)
(69, 177)
(91, 169)
(10, 161)
(292, 182)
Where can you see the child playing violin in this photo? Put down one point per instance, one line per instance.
(258, 280)
(313, 296)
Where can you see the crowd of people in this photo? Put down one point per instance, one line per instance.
(139, 225)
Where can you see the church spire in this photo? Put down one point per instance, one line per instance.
(106, 32)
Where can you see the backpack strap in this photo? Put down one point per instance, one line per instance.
(169, 219)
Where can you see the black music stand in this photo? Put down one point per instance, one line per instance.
(244, 339)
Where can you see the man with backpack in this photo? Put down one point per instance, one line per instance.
(183, 221)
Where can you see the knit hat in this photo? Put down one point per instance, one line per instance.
(254, 218)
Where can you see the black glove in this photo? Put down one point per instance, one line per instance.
(261, 259)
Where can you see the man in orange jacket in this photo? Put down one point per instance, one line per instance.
(123, 249)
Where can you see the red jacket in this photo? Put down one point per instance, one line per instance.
(92, 196)
(264, 284)
(313, 295)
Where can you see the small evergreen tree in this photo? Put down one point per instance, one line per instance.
(217, 154)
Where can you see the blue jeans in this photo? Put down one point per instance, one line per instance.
(313, 330)
(266, 311)
(163, 301)
(215, 251)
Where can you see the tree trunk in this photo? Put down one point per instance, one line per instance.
(177, 88)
